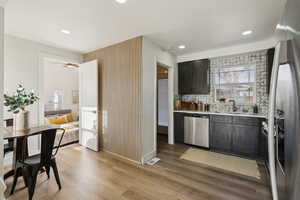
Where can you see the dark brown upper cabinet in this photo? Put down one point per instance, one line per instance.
(185, 74)
(194, 77)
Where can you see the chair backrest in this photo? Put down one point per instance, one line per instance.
(9, 147)
(9, 122)
(47, 144)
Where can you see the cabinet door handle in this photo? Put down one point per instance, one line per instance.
(208, 78)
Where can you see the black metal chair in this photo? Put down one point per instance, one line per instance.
(9, 147)
(30, 166)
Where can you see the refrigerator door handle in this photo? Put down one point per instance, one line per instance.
(271, 131)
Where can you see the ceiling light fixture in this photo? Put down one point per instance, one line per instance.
(248, 32)
(121, 1)
(67, 32)
(71, 65)
(181, 47)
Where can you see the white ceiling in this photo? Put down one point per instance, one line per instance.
(199, 24)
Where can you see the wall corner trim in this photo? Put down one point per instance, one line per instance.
(122, 157)
(147, 157)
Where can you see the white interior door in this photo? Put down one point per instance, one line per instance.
(88, 105)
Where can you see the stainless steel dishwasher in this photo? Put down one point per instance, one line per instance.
(196, 130)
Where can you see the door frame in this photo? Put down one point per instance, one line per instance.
(170, 103)
(89, 107)
(42, 58)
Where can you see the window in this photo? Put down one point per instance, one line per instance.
(235, 83)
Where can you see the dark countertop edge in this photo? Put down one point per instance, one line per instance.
(225, 114)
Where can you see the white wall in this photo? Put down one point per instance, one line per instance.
(163, 101)
(152, 55)
(22, 65)
(66, 81)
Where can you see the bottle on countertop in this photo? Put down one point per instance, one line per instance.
(255, 109)
(200, 106)
(193, 106)
(207, 107)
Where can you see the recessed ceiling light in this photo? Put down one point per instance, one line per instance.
(248, 32)
(181, 47)
(66, 31)
(121, 1)
(71, 65)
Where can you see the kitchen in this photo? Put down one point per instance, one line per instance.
(197, 100)
(246, 106)
(225, 110)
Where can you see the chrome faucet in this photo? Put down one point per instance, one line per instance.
(234, 108)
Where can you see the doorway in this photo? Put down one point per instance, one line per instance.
(61, 92)
(59, 96)
(162, 104)
(58, 85)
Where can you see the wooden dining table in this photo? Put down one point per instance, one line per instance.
(9, 133)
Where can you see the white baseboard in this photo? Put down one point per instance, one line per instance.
(123, 157)
(149, 156)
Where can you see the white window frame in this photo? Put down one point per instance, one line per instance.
(217, 85)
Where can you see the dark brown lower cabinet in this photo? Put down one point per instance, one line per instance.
(263, 143)
(245, 140)
(236, 135)
(179, 127)
(221, 137)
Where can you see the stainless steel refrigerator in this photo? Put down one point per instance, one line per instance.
(284, 108)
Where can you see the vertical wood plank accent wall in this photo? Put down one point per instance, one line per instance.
(120, 95)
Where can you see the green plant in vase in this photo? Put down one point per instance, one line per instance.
(17, 104)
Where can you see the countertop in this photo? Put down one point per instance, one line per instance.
(219, 113)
